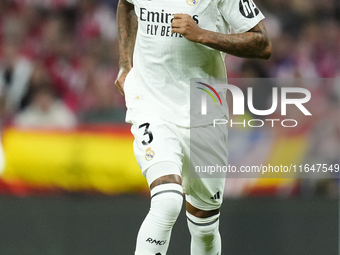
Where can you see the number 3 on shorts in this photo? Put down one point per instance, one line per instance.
(147, 132)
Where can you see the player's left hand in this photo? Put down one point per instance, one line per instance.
(119, 83)
(186, 26)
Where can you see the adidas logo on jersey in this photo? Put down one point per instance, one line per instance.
(216, 196)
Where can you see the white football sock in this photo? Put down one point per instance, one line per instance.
(154, 235)
(205, 236)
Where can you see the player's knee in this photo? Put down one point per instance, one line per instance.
(166, 203)
(205, 236)
(163, 172)
(205, 229)
(201, 213)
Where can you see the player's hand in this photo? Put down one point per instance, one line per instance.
(186, 26)
(119, 83)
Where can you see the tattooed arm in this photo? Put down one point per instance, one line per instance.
(127, 29)
(254, 43)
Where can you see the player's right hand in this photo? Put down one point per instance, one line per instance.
(119, 83)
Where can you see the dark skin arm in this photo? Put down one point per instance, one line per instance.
(127, 29)
(254, 43)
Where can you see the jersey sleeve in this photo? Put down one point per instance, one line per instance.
(130, 1)
(241, 15)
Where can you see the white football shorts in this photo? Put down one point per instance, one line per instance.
(158, 140)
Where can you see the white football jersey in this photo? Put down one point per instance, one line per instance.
(163, 63)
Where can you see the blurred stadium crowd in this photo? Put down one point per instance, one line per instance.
(59, 60)
(58, 63)
(306, 44)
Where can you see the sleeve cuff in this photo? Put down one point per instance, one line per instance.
(249, 25)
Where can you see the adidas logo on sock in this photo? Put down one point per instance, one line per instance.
(216, 196)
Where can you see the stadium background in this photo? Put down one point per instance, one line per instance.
(71, 184)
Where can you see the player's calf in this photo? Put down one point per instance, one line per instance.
(154, 234)
(205, 236)
(166, 203)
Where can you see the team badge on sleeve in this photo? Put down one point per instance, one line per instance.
(248, 9)
(149, 154)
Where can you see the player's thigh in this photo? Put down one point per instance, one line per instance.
(208, 150)
(164, 179)
(156, 144)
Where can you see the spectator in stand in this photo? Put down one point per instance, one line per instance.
(15, 73)
(61, 59)
(100, 105)
(96, 19)
(45, 111)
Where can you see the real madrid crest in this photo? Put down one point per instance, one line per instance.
(149, 154)
(192, 2)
